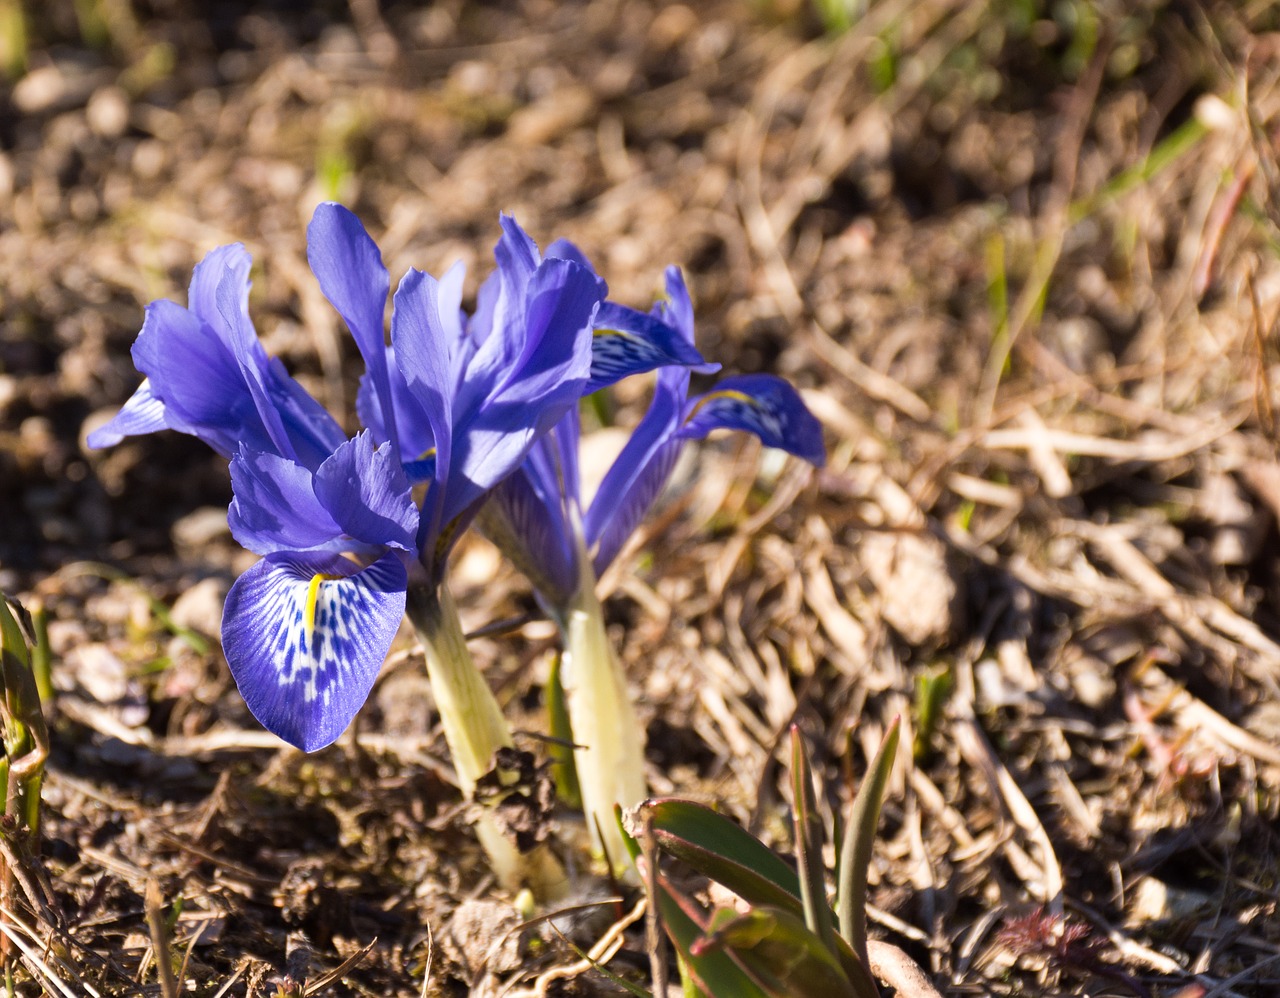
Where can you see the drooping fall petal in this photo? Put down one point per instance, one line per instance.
(305, 636)
(761, 404)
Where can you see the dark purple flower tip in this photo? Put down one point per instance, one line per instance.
(761, 404)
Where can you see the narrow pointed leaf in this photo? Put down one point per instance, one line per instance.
(561, 750)
(808, 836)
(724, 851)
(619, 982)
(860, 836)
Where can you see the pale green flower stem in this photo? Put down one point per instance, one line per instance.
(474, 729)
(608, 739)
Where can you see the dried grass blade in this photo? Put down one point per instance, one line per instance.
(1193, 713)
(979, 754)
(37, 966)
(153, 902)
(318, 984)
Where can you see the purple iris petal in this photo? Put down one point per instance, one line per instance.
(627, 342)
(761, 404)
(366, 492)
(565, 439)
(142, 413)
(209, 376)
(275, 506)
(193, 374)
(236, 328)
(305, 636)
(416, 437)
(425, 338)
(546, 369)
(562, 249)
(231, 264)
(358, 500)
(500, 300)
(639, 473)
(312, 433)
(525, 517)
(677, 310)
(348, 265)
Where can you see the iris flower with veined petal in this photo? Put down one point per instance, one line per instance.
(535, 517)
(469, 380)
(307, 628)
(530, 514)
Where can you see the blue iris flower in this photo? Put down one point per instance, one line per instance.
(505, 377)
(535, 516)
(531, 514)
(454, 403)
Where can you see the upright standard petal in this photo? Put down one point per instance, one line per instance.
(207, 375)
(424, 334)
(677, 310)
(493, 433)
(220, 264)
(348, 265)
(305, 636)
(312, 433)
(761, 404)
(501, 294)
(193, 373)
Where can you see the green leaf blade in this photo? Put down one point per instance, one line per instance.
(808, 836)
(781, 949)
(720, 849)
(714, 973)
(855, 853)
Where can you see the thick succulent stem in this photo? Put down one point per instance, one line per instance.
(474, 729)
(609, 756)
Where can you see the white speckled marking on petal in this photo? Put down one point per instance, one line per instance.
(305, 636)
(616, 354)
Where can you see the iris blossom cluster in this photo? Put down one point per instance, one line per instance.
(531, 513)
(453, 403)
(457, 410)
(537, 517)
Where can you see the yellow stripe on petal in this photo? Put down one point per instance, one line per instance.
(725, 393)
(313, 597)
